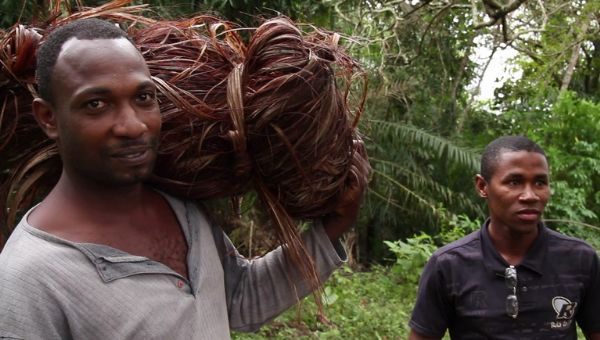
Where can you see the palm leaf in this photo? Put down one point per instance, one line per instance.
(410, 135)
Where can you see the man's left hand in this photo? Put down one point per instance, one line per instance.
(346, 210)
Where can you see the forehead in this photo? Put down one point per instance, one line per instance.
(520, 162)
(112, 65)
(74, 49)
(82, 60)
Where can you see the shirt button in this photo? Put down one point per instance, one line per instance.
(179, 284)
(524, 289)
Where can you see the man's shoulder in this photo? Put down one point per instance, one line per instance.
(186, 208)
(560, 242)
(468, 246)
(23, 244)
(458, 253)
(27, 256)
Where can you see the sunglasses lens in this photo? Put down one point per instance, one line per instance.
(512, 306)
(510, 275)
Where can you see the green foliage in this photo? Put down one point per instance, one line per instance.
(417, 58)
(415, 173)
(19, 11)
(441, 147)
(411, 256)
(455, 227)
(565, 32)
(249, 12)
(569, 203)
(360, 305)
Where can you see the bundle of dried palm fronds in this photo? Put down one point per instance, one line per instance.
(272, 115)
(235, 115)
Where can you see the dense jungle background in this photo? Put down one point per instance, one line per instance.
(429, 113)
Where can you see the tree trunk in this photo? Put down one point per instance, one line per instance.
(566, 81)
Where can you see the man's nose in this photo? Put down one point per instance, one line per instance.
(529, 194)
(128, 123)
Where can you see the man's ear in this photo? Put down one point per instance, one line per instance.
(481, 186)
(46, 117)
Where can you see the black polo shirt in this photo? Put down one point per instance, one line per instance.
(463, 289)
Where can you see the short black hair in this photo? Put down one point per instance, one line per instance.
(47, 54)
(492, 152)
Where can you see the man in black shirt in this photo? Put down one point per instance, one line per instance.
(514, 278)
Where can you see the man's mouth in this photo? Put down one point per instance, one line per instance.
(133, 155)
(529, 214)
(130, 155)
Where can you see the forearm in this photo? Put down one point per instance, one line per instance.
(260, 289)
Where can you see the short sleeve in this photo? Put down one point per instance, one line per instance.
(430, 316)
(588, 317)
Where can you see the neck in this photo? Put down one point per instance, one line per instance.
(96, 195)
(86, 207)
(512, 245)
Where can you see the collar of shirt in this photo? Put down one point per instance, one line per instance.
(113, 264)
(534, 259)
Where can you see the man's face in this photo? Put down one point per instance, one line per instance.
(107, 116)
(517, 192)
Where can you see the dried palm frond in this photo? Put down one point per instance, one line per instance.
(19, 134)
(17, 61)
(300, 132)
(116, 11)
(35, 175)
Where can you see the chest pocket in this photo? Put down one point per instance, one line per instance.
(111, 268)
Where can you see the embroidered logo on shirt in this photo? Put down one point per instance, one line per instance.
(565, 310)
(479, 299)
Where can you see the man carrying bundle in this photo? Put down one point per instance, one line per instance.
(514, 278)
(104, 256)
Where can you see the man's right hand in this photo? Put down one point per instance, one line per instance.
(416, 336)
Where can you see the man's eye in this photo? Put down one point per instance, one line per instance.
(146, 97)
(95, 104)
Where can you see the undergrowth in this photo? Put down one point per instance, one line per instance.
(359, 305)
